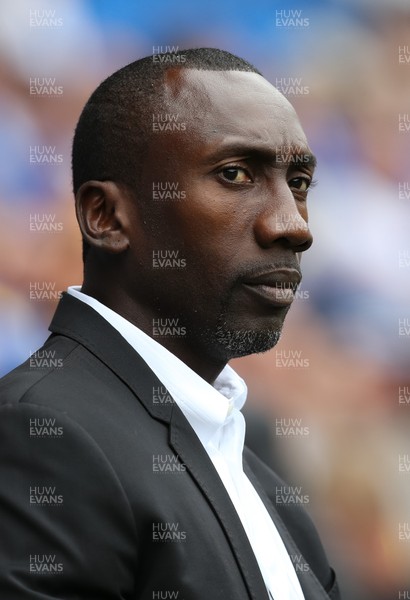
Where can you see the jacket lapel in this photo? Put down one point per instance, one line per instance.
(312, 589)
(83, 324)
(188, 447)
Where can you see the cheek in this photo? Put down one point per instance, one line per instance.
(216, 213)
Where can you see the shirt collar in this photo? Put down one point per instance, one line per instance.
(206, 407)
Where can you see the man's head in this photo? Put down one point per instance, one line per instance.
(191, 179)
(116, 123)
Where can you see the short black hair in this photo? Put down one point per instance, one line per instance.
(113, 127)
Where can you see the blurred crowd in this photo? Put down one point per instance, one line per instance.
(347, 72)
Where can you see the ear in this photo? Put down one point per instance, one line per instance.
(102, 209)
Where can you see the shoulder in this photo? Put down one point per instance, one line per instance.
(65, 376)
(44, 368)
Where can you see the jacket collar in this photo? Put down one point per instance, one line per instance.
(81, 323)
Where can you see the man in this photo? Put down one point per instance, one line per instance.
(123, 474)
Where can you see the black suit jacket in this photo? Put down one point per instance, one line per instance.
(85, 515)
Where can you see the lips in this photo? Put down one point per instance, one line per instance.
(277, 287)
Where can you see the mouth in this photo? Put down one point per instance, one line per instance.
(276, 287)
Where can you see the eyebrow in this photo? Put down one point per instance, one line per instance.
(279, 154)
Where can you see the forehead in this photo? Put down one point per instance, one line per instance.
(233, 105)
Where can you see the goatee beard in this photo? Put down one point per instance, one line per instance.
(242, 342)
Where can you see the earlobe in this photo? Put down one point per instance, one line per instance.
(101, 208)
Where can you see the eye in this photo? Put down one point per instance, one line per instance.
(302, 184)
(235, 174)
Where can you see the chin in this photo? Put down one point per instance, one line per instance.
(236, 343)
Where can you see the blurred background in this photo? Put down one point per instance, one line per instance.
(334, 395)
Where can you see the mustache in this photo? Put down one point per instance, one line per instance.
(254, 270)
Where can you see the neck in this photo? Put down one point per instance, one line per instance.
(188, 351)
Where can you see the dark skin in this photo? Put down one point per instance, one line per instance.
(241, 187)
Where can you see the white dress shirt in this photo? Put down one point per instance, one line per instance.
(214, 414)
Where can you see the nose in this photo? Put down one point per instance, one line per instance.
(283, 220)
